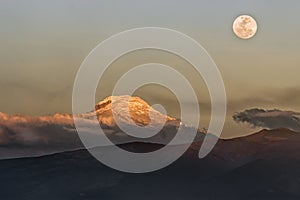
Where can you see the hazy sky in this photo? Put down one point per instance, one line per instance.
(43, 43)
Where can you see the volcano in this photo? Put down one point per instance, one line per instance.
(140, 113)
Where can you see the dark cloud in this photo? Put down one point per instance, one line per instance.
(269, 118)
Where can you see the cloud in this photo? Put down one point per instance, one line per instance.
(269, 118)
(22, 135)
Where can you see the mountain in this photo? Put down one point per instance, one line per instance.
(22, 136)
(264, 165)
(139, 112)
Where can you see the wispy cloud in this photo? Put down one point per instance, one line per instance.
(269, 118)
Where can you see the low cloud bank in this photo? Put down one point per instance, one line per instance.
(270, 119)
(31, 136)
(22, 135)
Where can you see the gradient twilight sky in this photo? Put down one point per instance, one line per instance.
(43, 43)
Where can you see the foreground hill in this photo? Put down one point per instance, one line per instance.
(264, 165)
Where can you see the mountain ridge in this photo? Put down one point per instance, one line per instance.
(235, 169)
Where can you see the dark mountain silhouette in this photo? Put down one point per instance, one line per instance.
(264, 165)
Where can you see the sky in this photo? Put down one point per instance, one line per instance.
(43, 44)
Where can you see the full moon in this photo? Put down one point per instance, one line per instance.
(244, 26)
